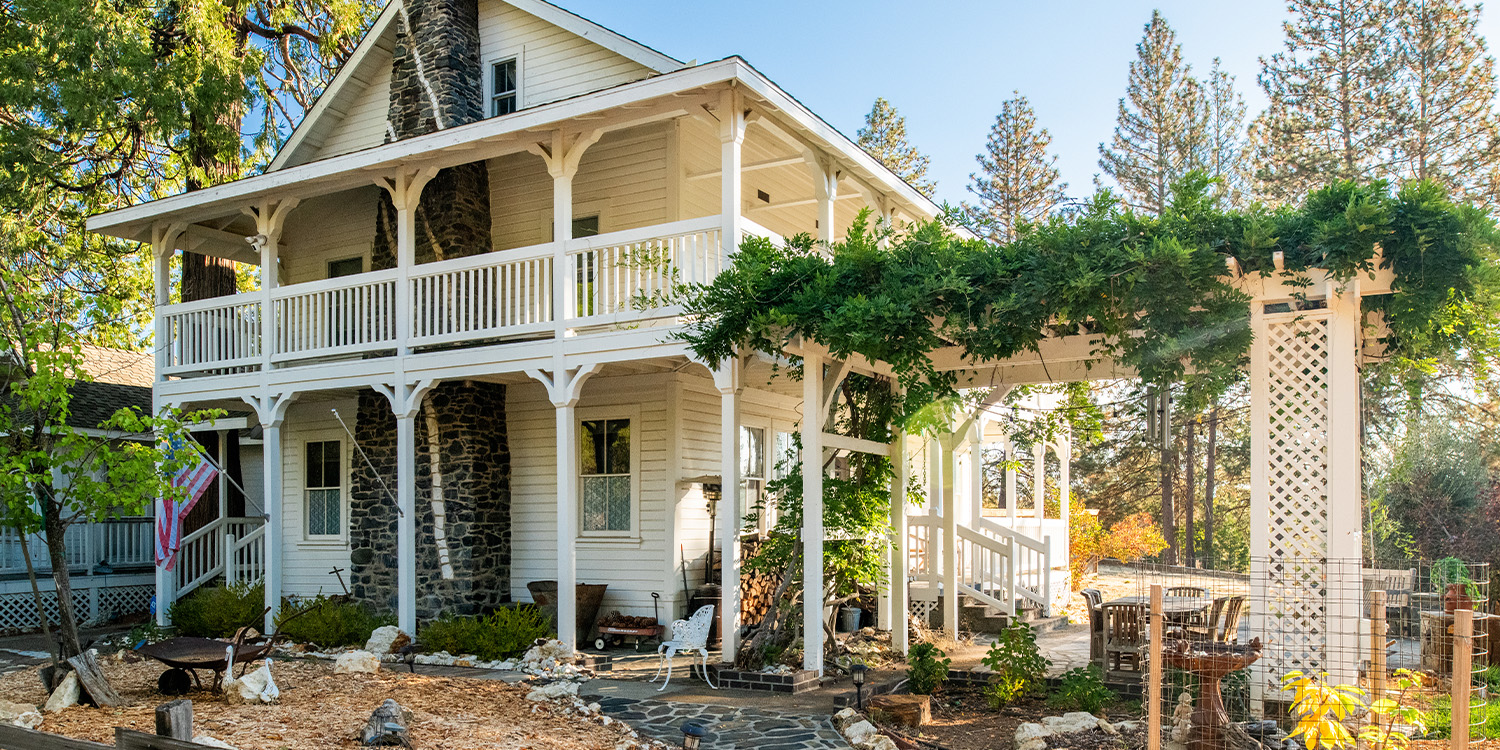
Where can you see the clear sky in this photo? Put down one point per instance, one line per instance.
(948, 65)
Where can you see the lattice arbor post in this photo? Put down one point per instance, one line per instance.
(1306, 494)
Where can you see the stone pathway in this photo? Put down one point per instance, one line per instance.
(729, 728)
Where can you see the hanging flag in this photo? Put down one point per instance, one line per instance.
(194, 475)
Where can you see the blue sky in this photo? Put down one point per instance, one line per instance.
(948, 65)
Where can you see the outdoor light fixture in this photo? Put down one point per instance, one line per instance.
(712, 493)
(692, 735)
(858, 672)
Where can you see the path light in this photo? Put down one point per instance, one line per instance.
(692, 735)
(858, 672)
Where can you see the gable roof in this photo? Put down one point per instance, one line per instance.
(357, 71)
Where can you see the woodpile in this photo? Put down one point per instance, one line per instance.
(626, 622)
(756, 589)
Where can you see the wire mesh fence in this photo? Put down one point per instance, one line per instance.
(1237, 661)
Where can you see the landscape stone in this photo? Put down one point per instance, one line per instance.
(1031, 736)
(1073, 721)
(20, 714)
(387, 639)
(859, 731)
(65, 695)
(356, 662)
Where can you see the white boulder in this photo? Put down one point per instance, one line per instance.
(860, 731)
(845, 717)
(879, 742)
(20, 714)
(66, 694)
(1031, 736)
(553, 691)
(356, 662)
(207, 741)
(386, 640)
(1073, 721)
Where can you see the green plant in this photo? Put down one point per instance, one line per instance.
(1323, 708)
(1017, 664)
(147, 632)
(1451, 570)
(926, 668)
(1081, 689)
(504, 634)
(328, 622)
(218, 611)
(1484, 720)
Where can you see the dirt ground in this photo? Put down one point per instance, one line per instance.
(961, 720)
(320, 709)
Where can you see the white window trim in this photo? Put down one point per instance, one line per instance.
(632, 413)
(768, 440)
(489, 81)
(323, 540)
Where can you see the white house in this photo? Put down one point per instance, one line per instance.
(459, 357)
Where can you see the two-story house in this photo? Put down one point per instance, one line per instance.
(460, 356)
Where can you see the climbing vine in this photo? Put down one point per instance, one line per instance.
(1153, 292)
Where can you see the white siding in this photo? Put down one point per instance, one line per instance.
(633, 569)
(700, 153)
(555, 63)
(622, 179)
(326, 228)
(308, 563)
(252, 477)
(364, 125)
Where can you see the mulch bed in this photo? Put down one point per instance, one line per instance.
(962, 720)
(320, 709)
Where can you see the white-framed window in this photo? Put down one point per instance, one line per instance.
(505, 86)
(606, 477)
(752, 492)
(323, 488)
(346, 267)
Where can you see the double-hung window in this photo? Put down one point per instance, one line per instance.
(605, 476)
(753, 476)
(505, 87)
(324, 488)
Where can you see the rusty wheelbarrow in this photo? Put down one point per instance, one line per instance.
(185, 655)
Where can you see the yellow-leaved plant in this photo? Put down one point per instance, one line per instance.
(1323, 708)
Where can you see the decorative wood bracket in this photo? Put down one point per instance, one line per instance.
(564, 386)
(405, 398)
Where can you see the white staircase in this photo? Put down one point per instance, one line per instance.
(999, 567)
(202, 557)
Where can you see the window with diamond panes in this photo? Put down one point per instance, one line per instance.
(324, 487)
(604, 474)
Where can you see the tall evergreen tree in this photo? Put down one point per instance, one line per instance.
(1018, 180)
(884, 137)
(1223, 152)
(1160, 128)
(1333, 94)
(1449, 131)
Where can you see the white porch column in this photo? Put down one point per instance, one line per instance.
(1039, 479)
(1306, 492)
(405, 190)
(948, 474)
(812, 511)
(898, 605)
(1011, 494)
(727, 379)
(976, 473)
(564, 388)
(270, 218)
(271, 409)
(826, 187)
(562, 156)
(406, 522)
(732, 123)
(163, 244)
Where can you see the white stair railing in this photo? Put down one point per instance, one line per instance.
(997, 565)
(246, 558)
(985, 569)
(201, 556)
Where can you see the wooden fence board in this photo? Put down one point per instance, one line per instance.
(18, 738)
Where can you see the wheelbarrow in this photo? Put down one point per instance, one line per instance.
(185, 655)
(616, 636)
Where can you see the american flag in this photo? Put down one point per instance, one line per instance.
(195, 475)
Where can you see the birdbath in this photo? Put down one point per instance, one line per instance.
(1210, 661)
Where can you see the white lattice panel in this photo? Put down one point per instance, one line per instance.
(91, 605)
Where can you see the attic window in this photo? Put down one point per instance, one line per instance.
(504, 87)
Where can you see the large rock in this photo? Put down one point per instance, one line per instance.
(860, 731)
(65, 695)
(1031, 736)
(387, 640)
(881, 742)
(207, 741)
(553, 691)
(908, 710)
(845, 717)
(1073, 721)
(355, 662)
(20, 714)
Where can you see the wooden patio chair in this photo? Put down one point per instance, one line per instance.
(1094, 598)
(1194, 591)
(1124, 636)
(1229, 627)
(1210, 627)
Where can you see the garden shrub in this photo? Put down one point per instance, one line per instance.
(927, 668)
(504, 634)
(1081, 689)
(329, 622)
(1017, 664)
(218, 611)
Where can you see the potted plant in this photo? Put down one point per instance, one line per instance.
(1450, 577)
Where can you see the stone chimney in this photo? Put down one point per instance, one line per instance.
(437, 83)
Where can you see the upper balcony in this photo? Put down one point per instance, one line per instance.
(621, 279)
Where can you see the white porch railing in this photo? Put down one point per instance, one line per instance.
(619, 277)
(215, 334)
(631, 275)
(996, 565)
(200, 558)
(985, 569)
(246, 558)
(123, 542)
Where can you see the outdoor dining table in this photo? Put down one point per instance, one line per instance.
(1170, 605)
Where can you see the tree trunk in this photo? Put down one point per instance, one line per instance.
(57, 554)
(36, 590)
(1189, 487)
(1209, 470)
(1168, 475)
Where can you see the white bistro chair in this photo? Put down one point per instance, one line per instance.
(687, 635)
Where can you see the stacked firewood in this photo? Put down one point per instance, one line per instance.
(756, 590)
(626, 622)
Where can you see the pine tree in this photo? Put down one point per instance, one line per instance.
(1160, 129)
(884, 137)
(1333, 97)
(1018, 180)
(1449, 130)
(1223, 152)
